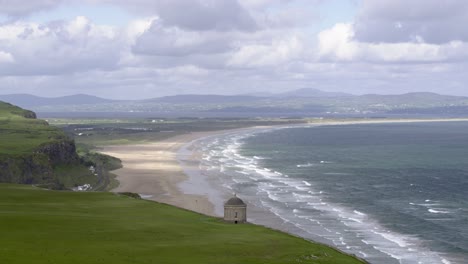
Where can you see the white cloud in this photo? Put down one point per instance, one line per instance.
(159, 40)
(6, 57)
(137, 27)
(339, 44)
(55, 48)
(234, 46)
(272, 54)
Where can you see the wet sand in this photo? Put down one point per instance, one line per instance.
(167, 171)
(154, 171)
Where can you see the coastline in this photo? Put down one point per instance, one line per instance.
(167, 171)
(154, 171)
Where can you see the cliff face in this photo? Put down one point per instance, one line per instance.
(61, 152)
(29, 114)
(30, 149)
(26, 170)
(38, 167)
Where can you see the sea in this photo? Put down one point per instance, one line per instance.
(387, 193)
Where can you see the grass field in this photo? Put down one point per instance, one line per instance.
(41, 226)
(20, 135)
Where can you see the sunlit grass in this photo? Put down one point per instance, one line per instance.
(40, 226)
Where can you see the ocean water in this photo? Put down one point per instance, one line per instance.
(389, 193)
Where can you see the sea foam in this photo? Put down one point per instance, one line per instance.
(297, 202)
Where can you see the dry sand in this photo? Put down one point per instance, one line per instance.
(153, 170)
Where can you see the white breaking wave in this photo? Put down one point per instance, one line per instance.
(434, 211)
(307, 165)
(307, 209)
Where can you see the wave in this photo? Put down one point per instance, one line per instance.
(434, 211)
(307, 183)
(307, 165)
(297, 202)
(433, 207)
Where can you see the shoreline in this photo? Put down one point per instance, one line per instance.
(154, 171)
(167, 171)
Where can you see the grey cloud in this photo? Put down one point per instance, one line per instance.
(15, 8)
(431, 21)
(187, 48)
(196, 15)
(172, 41)
(205, 15)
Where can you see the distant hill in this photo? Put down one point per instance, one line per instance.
(30, 101)
(303, 102)
(205, 99)
(310, 92)
(421, 97)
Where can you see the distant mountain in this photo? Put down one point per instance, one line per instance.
(205, 99)
(31, 101)
(422, 98)
(310, 92)
(304, 102)
(261, 94)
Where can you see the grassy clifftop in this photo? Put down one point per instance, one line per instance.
(22, 133)
(32, 152)
(68, 227)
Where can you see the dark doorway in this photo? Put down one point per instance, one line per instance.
(235, 222)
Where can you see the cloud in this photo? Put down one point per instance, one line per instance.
(431, 21)
(205, 15)
(277, 52)
(58, 47)
(195, 15)
(339, 44)
(17, 8)
(173, 41)
(336, 43)
(234, 46)
(6, 57)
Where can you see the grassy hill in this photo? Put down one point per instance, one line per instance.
(302, 102)
(40, 226)
(32, 152)
(21, 133)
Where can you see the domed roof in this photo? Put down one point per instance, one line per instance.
(235, 201)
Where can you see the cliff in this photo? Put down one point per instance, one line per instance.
(38, 167)
(31, 150)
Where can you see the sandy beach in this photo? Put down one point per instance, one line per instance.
(154, 171)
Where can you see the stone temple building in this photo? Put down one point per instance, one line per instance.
(235, 211)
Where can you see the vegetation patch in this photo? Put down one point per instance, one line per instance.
(41, 226)
(130, 194)
(32, 152)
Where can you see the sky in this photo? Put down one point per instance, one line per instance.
(138, 49)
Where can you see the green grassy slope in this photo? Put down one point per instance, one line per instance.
(20, 135)
(32, 152)
(39, 226)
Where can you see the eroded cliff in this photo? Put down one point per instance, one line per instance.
(31, 150)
